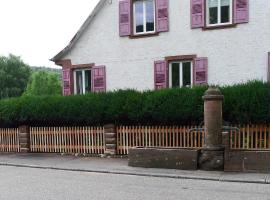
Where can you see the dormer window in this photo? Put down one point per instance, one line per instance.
(144, 16)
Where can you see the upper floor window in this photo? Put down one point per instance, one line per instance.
(144, 16)
(219, 12)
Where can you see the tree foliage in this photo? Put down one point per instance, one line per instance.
(44, 83)
(14, 75)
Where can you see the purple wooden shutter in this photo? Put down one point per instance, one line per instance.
(124, 18)
(66, 82)
(197, 13)
(200, 71)
(162, 14)
(241, 11)
(268, 66)
(160, 75)
(99, 79)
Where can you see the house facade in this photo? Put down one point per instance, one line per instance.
(153, 44)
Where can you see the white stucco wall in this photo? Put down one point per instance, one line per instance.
(235, 54)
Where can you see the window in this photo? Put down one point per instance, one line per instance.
(144, 16)
(181, 74)
(219, 12)
(82, 81)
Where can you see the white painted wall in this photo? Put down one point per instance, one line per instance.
(235, 54)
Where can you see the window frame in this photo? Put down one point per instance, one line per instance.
(83, 80)
(133, 21)
(219, 24)
(180, 62)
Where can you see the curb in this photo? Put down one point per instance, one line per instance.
(157, 175)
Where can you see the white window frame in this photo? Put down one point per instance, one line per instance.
(180, 72)
(144, 18)
(219, 14)
(83, 79)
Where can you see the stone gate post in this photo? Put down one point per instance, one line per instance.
(212, 154)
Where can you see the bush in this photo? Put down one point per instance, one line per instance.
(244, 103)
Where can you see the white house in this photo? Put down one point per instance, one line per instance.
(152, 44)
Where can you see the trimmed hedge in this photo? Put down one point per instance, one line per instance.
(244, 103)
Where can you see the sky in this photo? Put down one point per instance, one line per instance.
(36, 30)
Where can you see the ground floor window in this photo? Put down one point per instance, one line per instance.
(82, 81)
(180, 74)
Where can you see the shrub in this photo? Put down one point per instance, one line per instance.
(244, 103)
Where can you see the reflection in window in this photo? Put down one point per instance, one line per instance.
(180, 74)
(82, 81)
(144, 16)
(219, 12)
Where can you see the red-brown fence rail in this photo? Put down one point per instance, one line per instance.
(158, 136)
(9, 140)
(83, 140)
(251, 137)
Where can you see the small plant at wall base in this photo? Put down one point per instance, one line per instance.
(244, 103)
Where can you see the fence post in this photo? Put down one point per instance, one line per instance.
(110, 139)
(24, 139)
(226, 144)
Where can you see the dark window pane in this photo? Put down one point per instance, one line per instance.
(175, 75)
(213, 15)
(186, 74)
(150, 15)
(139, 16)
(213, 11)
(79, 82)
(225, 14)
(87, 81)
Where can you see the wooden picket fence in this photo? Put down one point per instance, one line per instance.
(251, 137)
(9, 140)
(158, 136)
(82, 140)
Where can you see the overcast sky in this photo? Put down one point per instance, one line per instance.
(36, 30)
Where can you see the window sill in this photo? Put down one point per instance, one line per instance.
(143, 35)
(219, 27)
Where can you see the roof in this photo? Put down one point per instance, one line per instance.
(80, 31)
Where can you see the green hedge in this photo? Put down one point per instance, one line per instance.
(244, 103)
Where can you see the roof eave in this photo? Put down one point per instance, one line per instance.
(89, 19)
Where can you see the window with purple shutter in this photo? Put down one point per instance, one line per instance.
(124, 18)
(197, 13)
(268, 66)
(162, 14)
(241, 11)
(66, 82)
(200, 71)
(99, 79)
(161, 74)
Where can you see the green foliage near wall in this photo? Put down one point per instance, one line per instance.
(14, 75)
(44, 83)
(244, 103)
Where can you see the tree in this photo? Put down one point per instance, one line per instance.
(44, 83)
(14, 75)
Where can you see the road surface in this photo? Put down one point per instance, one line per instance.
(44, 184)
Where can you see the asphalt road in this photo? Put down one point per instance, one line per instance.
(41, 184)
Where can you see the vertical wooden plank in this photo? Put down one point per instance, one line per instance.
(253, 130)
(264, 136)
(261, 136)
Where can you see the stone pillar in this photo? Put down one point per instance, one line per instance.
(24, 139)
(110, 139)
(212, 154)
